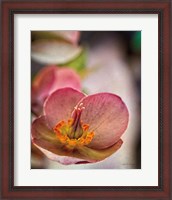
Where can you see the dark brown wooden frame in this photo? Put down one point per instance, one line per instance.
(11, 7)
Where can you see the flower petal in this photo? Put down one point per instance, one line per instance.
(107, 116)
(49, 79)
(70, 36)
(54, 52)
(101, 154)
(60, 104)
(65, 160)
(41, 86)
(46, 141)
(67, 78)
(41, 131)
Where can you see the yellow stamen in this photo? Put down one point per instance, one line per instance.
(72, 142)
(70, 121)
(85, 127)
(59, 125)
(62, 132)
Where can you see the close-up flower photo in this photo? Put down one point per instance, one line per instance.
(85, 100)
(86, 96)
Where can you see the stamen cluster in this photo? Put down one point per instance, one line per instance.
(73, 132)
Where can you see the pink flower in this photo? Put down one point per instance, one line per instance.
(76, 128)
(49, 79)
(68, 36)
(71, 36)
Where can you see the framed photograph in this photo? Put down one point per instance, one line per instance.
(86, 99)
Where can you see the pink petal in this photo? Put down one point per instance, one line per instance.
(60, 104)
(71, 36)
(41, 86)
(107, 116)
(66, 77)
(100, 154)
(42, 132)
(46, 141)
(43, 81)
(49, 79)
(65, 160)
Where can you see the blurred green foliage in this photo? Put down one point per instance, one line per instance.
(136, 41)
(78, 63)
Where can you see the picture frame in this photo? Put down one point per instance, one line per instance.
(162, 9)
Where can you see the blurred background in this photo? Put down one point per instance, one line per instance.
(105, 62)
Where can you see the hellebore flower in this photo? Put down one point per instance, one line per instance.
(49, 79)
(76, 128)
(69, 36)
(54, 52)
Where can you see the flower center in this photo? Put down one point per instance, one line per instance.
(73, 132)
